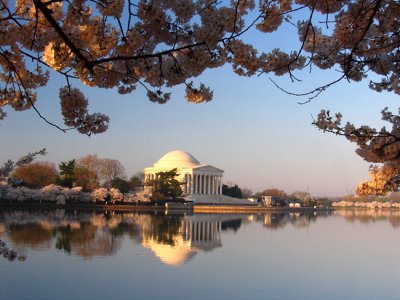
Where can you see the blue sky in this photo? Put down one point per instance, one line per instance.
(259, 135)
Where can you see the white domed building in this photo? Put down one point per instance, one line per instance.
(199, 179)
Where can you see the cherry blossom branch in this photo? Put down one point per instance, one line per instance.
(47, 14)
(21, 82)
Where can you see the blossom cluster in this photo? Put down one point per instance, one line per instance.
(374, 146)
(198, 95)
(59, 195)
(327, 122)
(371, 205)
(382, 181)
(74, 109)
(102, 194)
(159, 44)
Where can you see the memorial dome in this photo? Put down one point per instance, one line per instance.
(176, 159)
(194, 177)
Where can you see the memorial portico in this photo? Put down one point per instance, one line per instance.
(197, 178)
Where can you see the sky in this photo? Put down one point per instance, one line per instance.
(260, 136)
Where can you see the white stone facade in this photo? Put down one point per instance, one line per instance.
(198, 179)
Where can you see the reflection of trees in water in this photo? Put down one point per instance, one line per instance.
(125, 228)
(84, 234)
(158, 227)
(67, 237)
(231, 225)
(86, 241)
(174, 238)
(164, 229)
(278, 220)
(102, 243)
(367, 216)
(302, 220)
(64, 239)
(89, 234)
(32, 235)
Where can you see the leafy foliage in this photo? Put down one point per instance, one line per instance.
(121, 184)
(86, 179)
(37, 174)
(136, 181)
(232, 191)
(166, 185)
(67, 173)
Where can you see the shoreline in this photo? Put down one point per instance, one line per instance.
(193, 208)
(204, 209)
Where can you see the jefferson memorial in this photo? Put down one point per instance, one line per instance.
(198, 178)
(201, 182)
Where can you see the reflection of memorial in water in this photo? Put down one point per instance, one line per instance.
(203, 234)
(174, 239)
(194, 234)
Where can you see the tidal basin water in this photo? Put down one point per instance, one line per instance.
(104, 255)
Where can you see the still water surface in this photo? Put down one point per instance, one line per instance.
(105, 255)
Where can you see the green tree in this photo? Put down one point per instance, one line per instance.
(67, 173)
(166, 185)
(121, 184)
(232, 191)
(136, 181)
